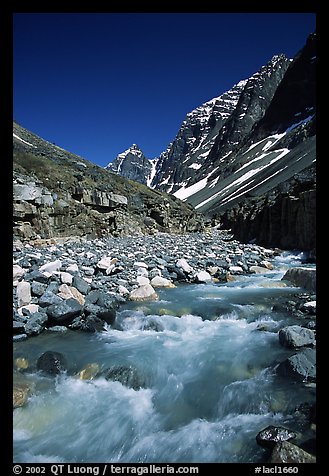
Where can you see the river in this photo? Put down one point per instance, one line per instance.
(202, 384)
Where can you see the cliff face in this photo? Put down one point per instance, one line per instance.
(210, 134)
(58, 194)
(285, 215)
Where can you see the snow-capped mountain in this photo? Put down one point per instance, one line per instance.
(239, 152)
(132, 164)
(211, 132)
(265, 189)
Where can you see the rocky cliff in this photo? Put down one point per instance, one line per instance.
(59, 194)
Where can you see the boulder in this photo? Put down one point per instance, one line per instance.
(302, 277)
(21, 363)
(271, 435)
(64, 311)
(127, 375)
(203, 277)
(51, 362)
(36, 323)
(81, 285)
(67, 292)
(183, 264)
(300, 366)
(51, 267)
(91, 323)
(296, 336)
(28, 309)
(21, 392)
(236, 269)
(258, 269)
(89, 372)
(107, 264)
(66, 278)
(37, 289)
(143, 293)
(285, 452)
(23, 293)
(18, 272)
(160, 282)
(49, 298)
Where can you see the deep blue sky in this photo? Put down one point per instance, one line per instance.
(96, 83)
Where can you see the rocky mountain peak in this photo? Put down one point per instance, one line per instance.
(133, 164)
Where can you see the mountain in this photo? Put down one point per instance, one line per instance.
(267, 190)
(59, 194)
(246, 158)
(212, 132)
(132, 164)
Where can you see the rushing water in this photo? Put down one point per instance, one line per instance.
(207, 374)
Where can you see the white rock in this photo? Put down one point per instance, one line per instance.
(267, 264)
(50, 267)
(310, 305)
(183, 264)
(160, 282)
(203, 277)
(73, 268)
(143, 293)
(105, 262)
(32, 308)
(236, 269)
(123, 290)
(66, 278)
(258, 269)
(142, 280)
(140, 264)
(18, 271)
(23, 293)
(67, 292)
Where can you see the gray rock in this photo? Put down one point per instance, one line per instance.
(81, 285)
(302, 277)
(300, 367)
(49, 298)
(64, 311)
(271, 435)
(36, 323)
(37, 289)
(296, 336)
(36, 275)
(19, 337)
(285, 452)
(52, 362)
(27, 192)
(58, 329)
(127, 375)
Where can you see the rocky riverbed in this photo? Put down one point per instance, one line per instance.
(79, 285)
